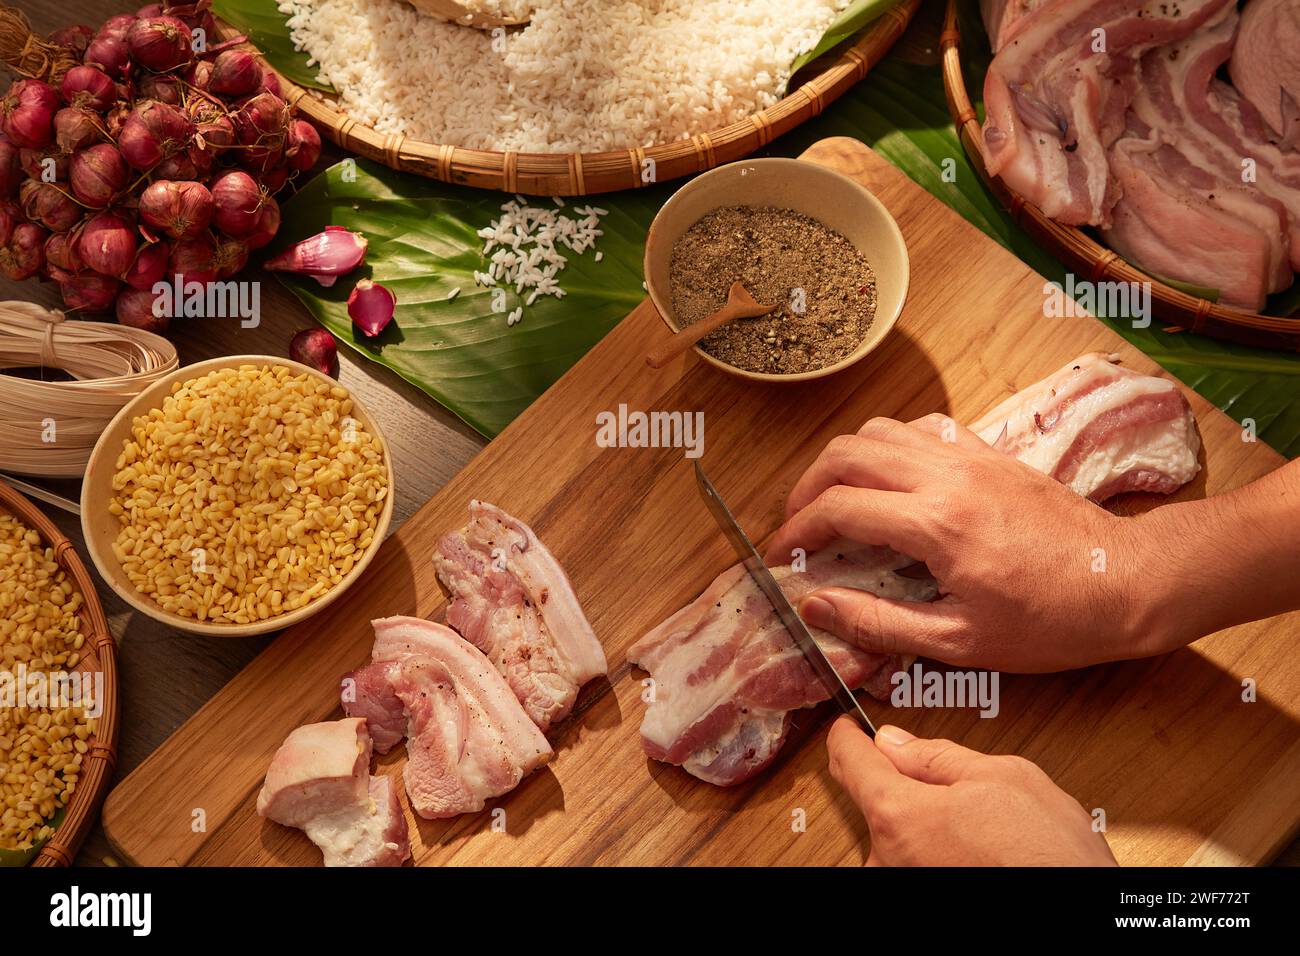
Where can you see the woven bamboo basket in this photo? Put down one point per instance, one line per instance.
(1080, 252)
(98, 655)
(578, 174)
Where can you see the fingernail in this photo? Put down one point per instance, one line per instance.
(817, 612)
(894, 736)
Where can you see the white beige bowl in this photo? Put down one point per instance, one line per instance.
(100, 528)
(823, 194)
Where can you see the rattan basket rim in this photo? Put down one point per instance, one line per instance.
(1078, 249)
(98, 764)
(573, 174)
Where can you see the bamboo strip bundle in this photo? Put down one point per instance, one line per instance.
(48, 428)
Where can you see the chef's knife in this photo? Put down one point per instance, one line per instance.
(761, 576)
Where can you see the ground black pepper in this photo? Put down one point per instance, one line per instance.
(823, 287)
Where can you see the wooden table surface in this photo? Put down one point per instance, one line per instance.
(165, 676)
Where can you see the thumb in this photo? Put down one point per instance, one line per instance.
(885, 626)
(939, 762)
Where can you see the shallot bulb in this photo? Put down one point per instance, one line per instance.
(23, 254)
(230, 258)
(271, 81)
(324, 257)
(135, 307)
(235, 73)
(304, 145)
(194, 260)
(47, 165)
(316, 348)
(153, 132)
(88, 87)
(48, 204)
(76, 38)
(11, 170)
(159, 43)
(28, 114)
(371, 306)
(61, 252)
(182, 210)
(199, 75)
(273, 180)
(108, 50)
(239, 201)
(213, 130)
(149, 267)
(262, 127)
(164, 89)
(268, 224)
(107, 243)
(88, 292)
(76, 127)
(98, 174)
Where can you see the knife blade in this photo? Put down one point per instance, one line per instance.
(790, 618)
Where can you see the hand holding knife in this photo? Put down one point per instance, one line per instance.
(788, 616)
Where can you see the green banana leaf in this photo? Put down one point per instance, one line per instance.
(464, 355)
(265, 26)
(423, 245)
(852, 18)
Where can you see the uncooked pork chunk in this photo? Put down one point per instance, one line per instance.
(467, 737)
(319, 781)
(727, 677)
(511, 599)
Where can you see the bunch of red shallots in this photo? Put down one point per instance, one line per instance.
(157, 156)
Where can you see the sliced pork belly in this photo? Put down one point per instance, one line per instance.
(1179, 101)
(1203, 232)
(1055, 100)
(319, 781)
(1099, 428)
(727, 676)
(468, 738)
(1266, 63)
(511, 599)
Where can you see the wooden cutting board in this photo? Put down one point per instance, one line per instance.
(1186, 772)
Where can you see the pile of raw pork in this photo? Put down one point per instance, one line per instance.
(472, 706)
(1171, 126)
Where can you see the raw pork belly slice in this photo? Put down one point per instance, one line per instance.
(1054, 106)
(1266, 62)
(726, 674)
(511, 599)
(468, 739)
(1099, 428)
(1186, 212)
(319, 781)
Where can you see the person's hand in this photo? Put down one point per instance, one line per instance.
(933, 803)
(1031, 577)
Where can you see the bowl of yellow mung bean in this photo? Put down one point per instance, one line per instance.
(237, 496)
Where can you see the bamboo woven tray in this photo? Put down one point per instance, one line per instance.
(577, 174)
(98, 654)
(1082, 253)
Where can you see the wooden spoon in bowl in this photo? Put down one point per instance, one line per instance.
(740, 305)
(454, 11)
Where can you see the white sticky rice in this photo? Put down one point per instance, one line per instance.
(584, 75)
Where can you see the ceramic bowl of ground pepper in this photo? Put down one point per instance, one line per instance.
(806, 239)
